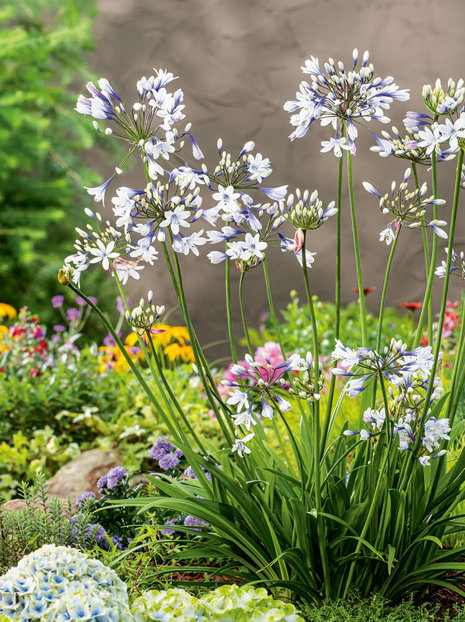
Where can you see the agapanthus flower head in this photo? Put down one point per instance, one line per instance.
(341, 97)
(397, 364)
(305, 210)
(457, 265)
(258, 385)
(156, 108)
(407, 146)
(145, 316)
(240, 173)
(442, 100)
(407, 206)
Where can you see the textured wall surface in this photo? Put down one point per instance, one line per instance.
(238, 62)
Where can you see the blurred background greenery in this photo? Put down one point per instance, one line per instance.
(42, 142)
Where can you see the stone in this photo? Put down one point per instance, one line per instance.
(82, 473)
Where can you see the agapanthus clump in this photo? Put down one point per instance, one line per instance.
(407, 375)
(61, 583)
(341, 98)
(407, 207)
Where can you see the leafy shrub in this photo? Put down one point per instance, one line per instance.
(228, 602)
(43, 521)
(62, 583)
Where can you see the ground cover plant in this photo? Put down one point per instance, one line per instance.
(317, 516)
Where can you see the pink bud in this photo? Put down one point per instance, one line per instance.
(298, 240)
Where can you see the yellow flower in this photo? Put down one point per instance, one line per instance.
(163, 338)
(131, 339)
(3, 332)
(7, 311)
(180, 333)
(177, 351)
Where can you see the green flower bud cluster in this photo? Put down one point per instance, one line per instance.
(145, 316)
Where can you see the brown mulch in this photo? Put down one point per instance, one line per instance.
(444, 599)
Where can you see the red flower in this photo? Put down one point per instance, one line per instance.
(34, 372)
(411, 306)
(366, 290)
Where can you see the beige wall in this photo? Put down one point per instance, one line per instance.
(238, 62)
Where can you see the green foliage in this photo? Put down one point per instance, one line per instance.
(296, 331)
(41, 52)
(42, 521)
(374, 609)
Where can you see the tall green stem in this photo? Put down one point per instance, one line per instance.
(383, 294)
(316, 425)
(244, 321)
(358, 261)
(428, 301)
(337, 301)
(232, 344)
(426, 251)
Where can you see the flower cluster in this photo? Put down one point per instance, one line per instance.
(457, 265)
(61, 583)
(145, 316)
(341, 97)
(228, 602)
(408, 208)
(112, 479)
(167, 455)
(25, 347)
(255, 387)
(408, 374)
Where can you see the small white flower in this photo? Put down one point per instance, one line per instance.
(258, 167)
(103, 253)
(240, 398)
(240, 445)
(176, 218)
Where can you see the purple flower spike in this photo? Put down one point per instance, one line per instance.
(59, 328)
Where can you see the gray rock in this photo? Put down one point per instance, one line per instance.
(82, 473)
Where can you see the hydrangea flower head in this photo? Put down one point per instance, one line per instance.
(61, 583)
